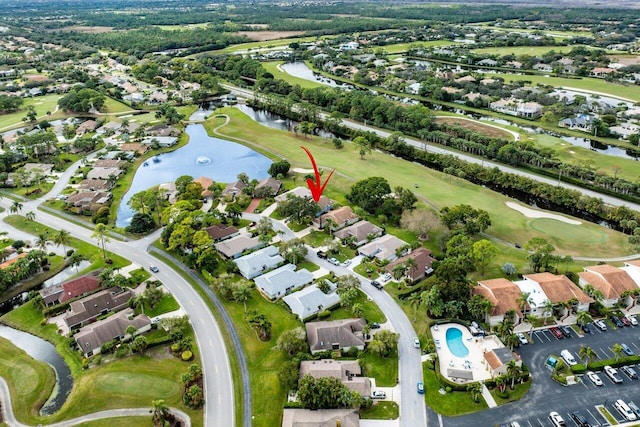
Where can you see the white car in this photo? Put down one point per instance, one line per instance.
(600, 324)
(154, 269)
(347, 263)
(595, 379)
(632, 319)
(333, 261)
(416, 342)
(523, 340)
(386, 277)
(556, 419)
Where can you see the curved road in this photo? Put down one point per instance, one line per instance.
(614, 201)
(218, 386)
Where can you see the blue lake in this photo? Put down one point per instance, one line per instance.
(215, 158)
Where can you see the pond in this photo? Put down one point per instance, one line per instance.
(611, 150)
(302, 71)
(276, 121)
(66, 274)
(215, 158)
(45, 352)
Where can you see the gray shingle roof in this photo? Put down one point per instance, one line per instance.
(278, 282)
(256, 263)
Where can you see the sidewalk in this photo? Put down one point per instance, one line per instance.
(488, 397)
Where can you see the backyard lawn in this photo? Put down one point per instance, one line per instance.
(448, 404)
(438, 188)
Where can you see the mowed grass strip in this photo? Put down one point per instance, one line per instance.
(436, 187)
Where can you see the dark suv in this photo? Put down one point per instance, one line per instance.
(376, 284)
(616, 320)
(580, 420)
(566, 331)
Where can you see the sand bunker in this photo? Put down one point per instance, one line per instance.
(532, 213)
(300, 170)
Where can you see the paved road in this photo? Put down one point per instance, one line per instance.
(413, 410)
(614, 201)
(218, 386)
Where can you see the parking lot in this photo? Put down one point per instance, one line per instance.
(546, 395)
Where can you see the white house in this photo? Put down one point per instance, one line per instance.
(281, 281)
(311, 300)
(258, 262)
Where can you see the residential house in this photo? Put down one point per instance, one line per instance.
(162, 130)
(205, 183)
(310, 301)
(44, 168)
(625, 129)
(268, 186)
(91, 338)
(466, 79)
(503, 295)
(633, 270)
(602, 72)
(324, 202)
(109, 163)
(582, 123)
(103, 173)
(283, 280)
(612, 281)
(349, 46)
(234, 188)
(88, 200)
(258, 262)
(343, 334)
(94, 185)
(340, 218)
(514, 64)
(560, 290)
(162, 141)
(423, 259)
(10, 261)
(384, 248)
(320, 418)
(487, 62)
(498, 359)
(71, 289)
(220, 232)
(86, 126)
(529, 110)
(348, 372)
(109, 127)
(472, 96)
(545, 68)
(169, 191)
(89, 308)
(360, 232)
(135, 147)
(233, 248)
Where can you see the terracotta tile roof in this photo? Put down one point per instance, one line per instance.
(340, 215)
(423, 258)
(609, 280)
(79, 286)
(635, 263)
(501, 292)
(12, 260)
(558, 288)
(493, 360)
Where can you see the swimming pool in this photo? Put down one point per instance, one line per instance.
(455, 344)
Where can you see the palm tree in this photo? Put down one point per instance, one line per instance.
(415, 302)
(531, 319)
(160, 412)
(42, 241)
(15, 207)
(31, 216)
(511, 341)
(583, 317)
(616, 349)
(513, 371)
(547, 310)
(100, 232)
(587, 354)
(241, 293)
(505, 328)
(62, 237)
(476, 391)
(524, 300)
(75, 260)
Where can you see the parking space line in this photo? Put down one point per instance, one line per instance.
(540, 422)
(635, 345)
(606, 356)
(569, 418)
(594, 418)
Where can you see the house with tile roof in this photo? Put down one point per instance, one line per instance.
(269, 186)
(309, 301)
(502, 294)
(258, 262)
(94, 185)
(324, 202)
(384, 248)
(71, 289)
(320, 418)
(498, 359)
(234, 188)
(559, 289)
(343, 334)
(283, 280)
(221, 231)
(341, 218)
(612, 281)
(360, 232)
(91, 338)
(423, 259)
(348, 372)
(205, 183)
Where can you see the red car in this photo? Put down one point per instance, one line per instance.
(557, 332)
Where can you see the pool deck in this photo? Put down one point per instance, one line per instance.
(473, 363)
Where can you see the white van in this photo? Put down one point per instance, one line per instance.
(624, 409)
(568, 357)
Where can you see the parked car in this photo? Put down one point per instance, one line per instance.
(321, 254)
(634, 408)
(556, 332)
(627, 350)
(566, 331)
(375, 325)
(347, 263)
(556, 419)
(333, 261)
(378, 394)
(523, 340)
(600, 324)
(386, 277)
(616, 321)
(586, 328)
(420, 387)
(416, 342)
(612, 373)
(624, 321)
(595, 379)
(630, 372)
(376, 284)
(632, 319)
(580, 419)
(154, 268)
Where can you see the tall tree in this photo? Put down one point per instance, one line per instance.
(100, 233)
(587, 354)
(62, 237)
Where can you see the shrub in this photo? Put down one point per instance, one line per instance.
(324, 314)
(186, 355)
(503, 394)
(175, 347)
(70, 252)
(448, 389)
(17, 244)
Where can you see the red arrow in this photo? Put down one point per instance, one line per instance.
(316, 187)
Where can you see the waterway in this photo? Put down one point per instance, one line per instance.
(302, 71)
(45, 352)
(214, 158)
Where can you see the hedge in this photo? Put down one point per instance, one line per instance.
(600, 364)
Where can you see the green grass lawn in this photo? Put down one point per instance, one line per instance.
(166, 305)
(120, 422)
(315, 238)
(515, 394)
(630, 92)
(554, 33)
(449, 404)
(381, 411)
(262, 44)
(403, 47)
(133, 381)
(384, 370)
(272, 67)
(438, 188)
(308, 265)
(523, 50)
(114, 106)
(371, 312)
(42, 104)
